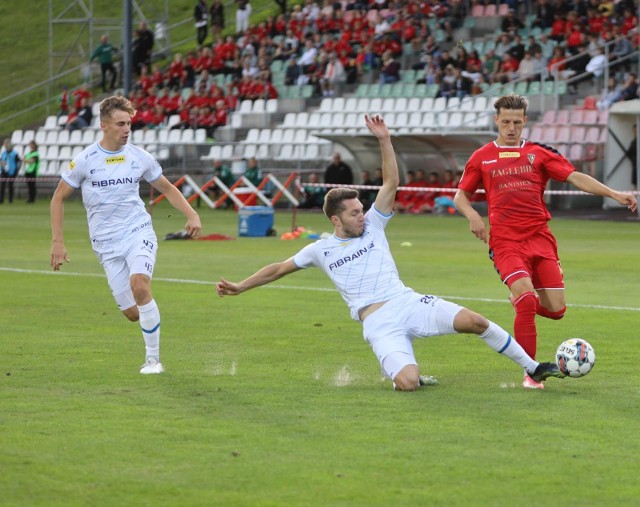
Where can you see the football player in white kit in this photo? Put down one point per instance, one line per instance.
(358, 260)
(120, 229)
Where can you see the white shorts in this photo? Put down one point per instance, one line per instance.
(135, 255)
(392, 328)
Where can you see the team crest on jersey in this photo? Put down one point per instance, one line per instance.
(509, 154)
(115, 160)
(531, 158)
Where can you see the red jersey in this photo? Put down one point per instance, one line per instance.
(514, 178)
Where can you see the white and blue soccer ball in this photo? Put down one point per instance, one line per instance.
(575, 357)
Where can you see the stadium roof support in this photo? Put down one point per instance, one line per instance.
(431, 152)
(618, 166)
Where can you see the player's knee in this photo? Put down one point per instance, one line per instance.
(408, 379)
(132, 314)
(526, 303)
(467, 321)
(557, 315)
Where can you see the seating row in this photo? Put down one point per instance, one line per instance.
(88, 136)
(478, 103)
(283, 151)
(426, 121)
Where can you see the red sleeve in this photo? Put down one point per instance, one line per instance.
(472, 177)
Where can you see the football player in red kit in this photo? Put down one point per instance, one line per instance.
(514, 173)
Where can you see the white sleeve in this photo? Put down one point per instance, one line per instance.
(307, 257)
(74, 174)
(152, 170)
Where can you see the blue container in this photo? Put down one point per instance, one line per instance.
(255, 221)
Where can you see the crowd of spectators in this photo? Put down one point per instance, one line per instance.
(333, 43)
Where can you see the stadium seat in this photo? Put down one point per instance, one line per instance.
(362, 90)
(534, 88)
(375, 105)
(75, 137)
(562, 117)
(227, 152)
(547, 135)
(429, 90)
(578, 134)
(353, 104)
(401, 104)
(265, 136)
(163, 136)
(302, 120)
(576, 152)
(563, 149)
(440, 104)
(503, 9)
(200, 136)
(592, 135)
(326, 105)
(413, 104)
(429, 121)
(214, 153)
(455, 119)
(426, 104)
(252, 135)
(453, 103)
(477, 10)
(250, 150)
(63, 137)
(388, 105)
(175, 137)
(590, 103)
(52, 153)
(576, 117)
(52, 137)
(289, 120)
(136, 136)
(548, 117)
(469, 121)
(603, 117)
(16, 137)
(521, 88)
(525, 132)
(40, 138)
(258, 106)
(590, 117)
(490, 10)
(272, 137)
(51, 123)
(149, 136)
(271, 106)
(563, 134)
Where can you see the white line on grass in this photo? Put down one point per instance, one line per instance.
(295, 287)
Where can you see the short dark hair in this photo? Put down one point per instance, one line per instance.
(334, 200)
(511, 102)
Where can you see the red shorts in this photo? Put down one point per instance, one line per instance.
(535, 258)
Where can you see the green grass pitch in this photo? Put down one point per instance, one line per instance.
(273, 398)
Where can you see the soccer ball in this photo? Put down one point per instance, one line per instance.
(575, 357)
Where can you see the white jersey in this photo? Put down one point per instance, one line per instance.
(362, 269)
(111, 189)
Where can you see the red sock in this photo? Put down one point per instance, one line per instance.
(524, 326)
(543, 312)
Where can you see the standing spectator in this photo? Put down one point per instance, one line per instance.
(104, 53)
(522, 247)
(120, 228)
(32, 166)
(243, 14)
(216, 18)
(338, 172)
(200, 13)
(9, 168)
(145, 43)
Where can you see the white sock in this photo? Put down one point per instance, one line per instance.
(500, 341)
(150, 325)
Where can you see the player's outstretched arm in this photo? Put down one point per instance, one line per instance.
(177, 200)
(58, 250)
(588, 184)
(390, 178)
(476, 223)
(263, 276)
